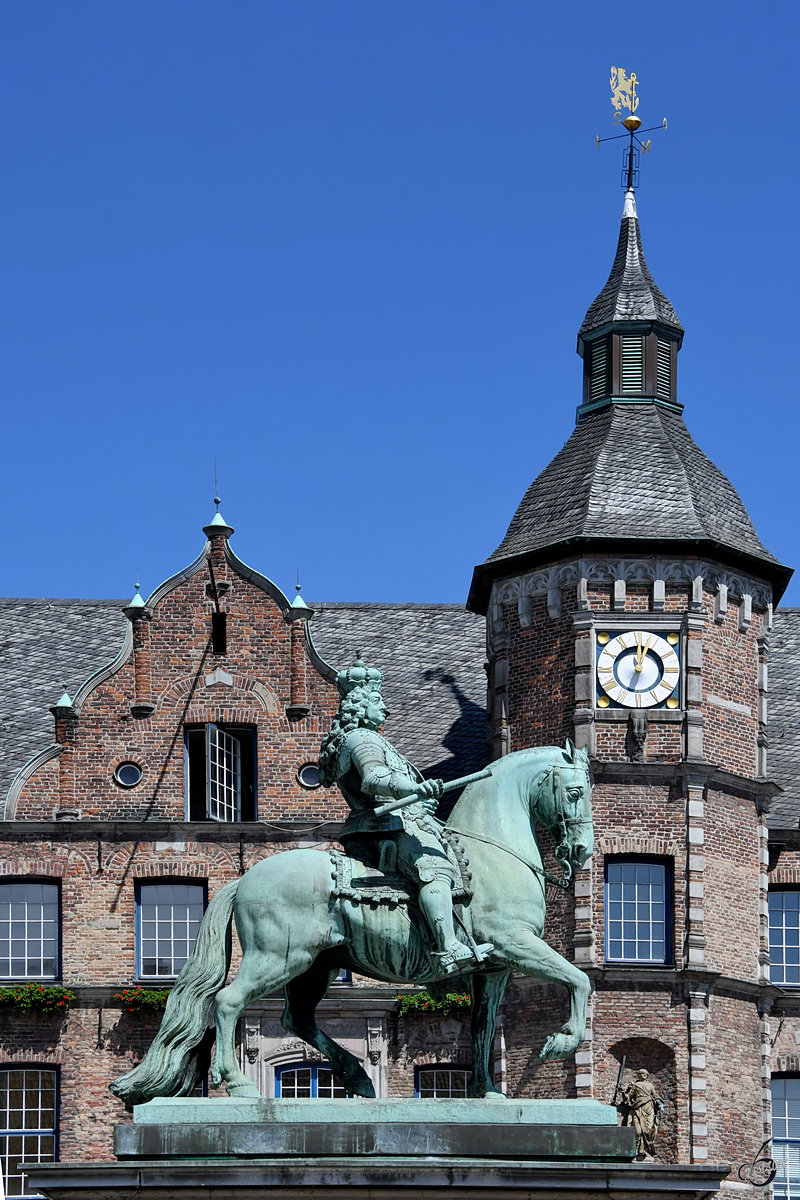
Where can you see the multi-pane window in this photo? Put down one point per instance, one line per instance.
(304, 1081)
(28, 1123)
(220, 773)
(786, 1134)
(168, 916)
(441, 1083)
(29, 931)
(637, 911)
(784, 937)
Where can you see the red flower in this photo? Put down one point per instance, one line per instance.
(61, 1004)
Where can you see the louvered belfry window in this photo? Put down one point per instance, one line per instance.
(632, 364)
(663, 370)
(599, 368)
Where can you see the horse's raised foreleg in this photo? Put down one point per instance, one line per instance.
(528, 953)
(487, 992)
(303, 994)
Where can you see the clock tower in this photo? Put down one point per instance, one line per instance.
(629, 607)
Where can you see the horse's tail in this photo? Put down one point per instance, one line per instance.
(179, 1053)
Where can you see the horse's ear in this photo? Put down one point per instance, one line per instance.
(569, 750)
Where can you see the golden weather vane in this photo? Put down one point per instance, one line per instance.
(624, 96)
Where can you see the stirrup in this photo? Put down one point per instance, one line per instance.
(459, 956)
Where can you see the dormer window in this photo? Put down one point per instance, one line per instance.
(220, 773)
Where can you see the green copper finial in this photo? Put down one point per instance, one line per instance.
(64, 700)
(137, 601)
(298, 609)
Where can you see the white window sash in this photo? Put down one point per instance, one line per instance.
(223, 775)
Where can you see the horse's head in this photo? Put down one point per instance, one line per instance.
(562, 802)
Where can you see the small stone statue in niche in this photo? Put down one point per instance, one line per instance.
(641, 1107)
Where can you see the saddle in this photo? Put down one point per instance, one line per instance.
(363, 884)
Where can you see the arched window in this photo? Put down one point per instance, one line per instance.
(436, 1082)
(307, 1081)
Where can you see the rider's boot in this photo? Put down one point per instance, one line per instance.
(451, 956)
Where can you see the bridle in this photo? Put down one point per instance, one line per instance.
(552, 777)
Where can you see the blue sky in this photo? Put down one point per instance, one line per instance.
(344, 248)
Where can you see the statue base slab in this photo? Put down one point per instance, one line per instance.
(541, 1129)
(241, 1149)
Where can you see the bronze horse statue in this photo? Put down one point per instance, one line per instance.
(297, 932)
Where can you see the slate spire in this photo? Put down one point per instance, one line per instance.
(630, 480)
(630, 294)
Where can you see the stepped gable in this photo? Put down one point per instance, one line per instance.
(783, 728)
(630, 293)
(629, 474)
(432, 657)
(45, 644)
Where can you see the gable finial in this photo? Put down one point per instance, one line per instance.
(624, 95)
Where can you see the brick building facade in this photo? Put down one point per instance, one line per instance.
(629, 607)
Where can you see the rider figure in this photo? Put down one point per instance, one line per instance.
(369, 771)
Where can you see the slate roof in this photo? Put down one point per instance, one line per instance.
(631, 293)
(629, 473)
(783, 711)
(432, 655)
(45, 645)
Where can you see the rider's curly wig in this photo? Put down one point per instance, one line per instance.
(351, 715)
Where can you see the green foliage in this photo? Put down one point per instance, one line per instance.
(424, 1002)
(139, 999)
(39, 997)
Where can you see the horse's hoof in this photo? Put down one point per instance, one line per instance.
(557, 1046)
(246, 1090)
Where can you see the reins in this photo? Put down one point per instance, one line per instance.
(564, 822)
(479, 837)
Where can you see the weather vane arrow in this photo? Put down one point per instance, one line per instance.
(624, 95)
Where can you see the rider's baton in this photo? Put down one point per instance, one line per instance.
(448, 787)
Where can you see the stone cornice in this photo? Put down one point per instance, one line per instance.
(759, 791)
(627, 977)
(611, 568)
(247, 832)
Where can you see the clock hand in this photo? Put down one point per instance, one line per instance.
(639, 653)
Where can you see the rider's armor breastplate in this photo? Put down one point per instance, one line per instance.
(374, 751)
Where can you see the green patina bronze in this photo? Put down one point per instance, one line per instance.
(386, 908)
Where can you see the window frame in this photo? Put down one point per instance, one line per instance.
(41, 881)
(778, 1140)
(465, 1069)
(780, 890)
(314, 1068)
(667, 866)
(141, 885)
(197, 749)
(27, 1132)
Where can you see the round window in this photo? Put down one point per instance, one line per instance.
(308, 775)
(128, 774)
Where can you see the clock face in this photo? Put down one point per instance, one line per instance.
(638, 669)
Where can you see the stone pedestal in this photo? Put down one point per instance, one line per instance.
(184, 1149)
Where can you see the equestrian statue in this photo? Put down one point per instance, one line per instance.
(412, 900)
